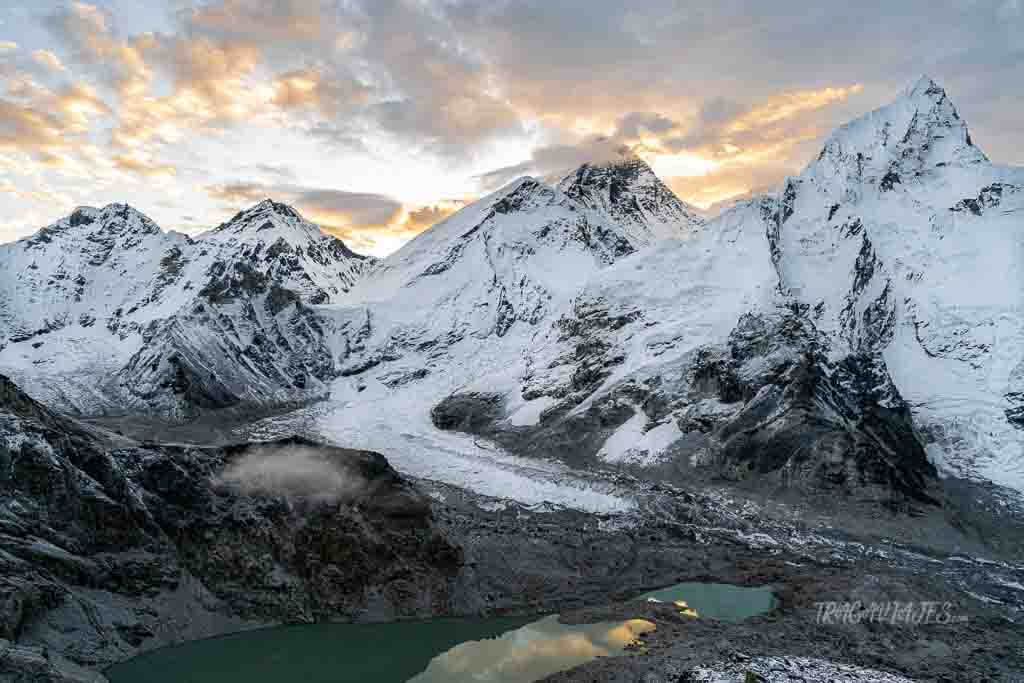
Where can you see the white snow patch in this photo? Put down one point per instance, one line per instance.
(529, 414)
(631, 444)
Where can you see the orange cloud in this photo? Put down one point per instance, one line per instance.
(43, 122)
(789, 105)
(730, 182)
(746, 149)
(381, 240)
(298, 20)
(311, 87)
(374, 223)
(48, 59)
(144, 167)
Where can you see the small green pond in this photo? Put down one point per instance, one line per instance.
(720, 601)
(495, 649)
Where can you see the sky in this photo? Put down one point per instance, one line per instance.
(377, 118)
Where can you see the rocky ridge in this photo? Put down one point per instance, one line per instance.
(107, 544)
(148, 321)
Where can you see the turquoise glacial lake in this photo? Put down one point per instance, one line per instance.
(450, 650)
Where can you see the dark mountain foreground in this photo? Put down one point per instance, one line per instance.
(110, 546)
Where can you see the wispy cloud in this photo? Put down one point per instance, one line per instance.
(374, 222)
(413, 100)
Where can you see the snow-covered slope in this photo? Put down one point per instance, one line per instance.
(881, 284)
(712, 372)
(905, 240)
(288, 250)
(874, 301)
(103, 311)
(628, 193)
(86, 268)
(485, 276)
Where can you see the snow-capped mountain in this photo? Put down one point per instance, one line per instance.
(485, 276)
(111, 265)
(907, 241)
(286, 249)
(628, 193)
(713, 372)
(819, 336)
(815, 335)
(102, 311)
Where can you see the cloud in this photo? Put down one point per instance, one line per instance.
(277, 171)
(424, 217)
(208, 80)
(25, 128)
(338, 209)
(555, 161)
(728, 148)
(730, 181)
(636, 124)
(282, 20)
(373, 222)
(48, 59)
(331, 94)
(45, 123)
(293, 472)
(387, 238)
(334, 209)
(239, 192)
(719, 97)
(144, 167)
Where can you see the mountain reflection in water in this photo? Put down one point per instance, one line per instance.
(493, 649)
(532, 651)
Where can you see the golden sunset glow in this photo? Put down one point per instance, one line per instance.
(672, 165)
(424, 105)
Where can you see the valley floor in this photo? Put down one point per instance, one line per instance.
(541, 537)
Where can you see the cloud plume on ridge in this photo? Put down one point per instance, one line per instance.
(290, 471)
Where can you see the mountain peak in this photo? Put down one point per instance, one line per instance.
(918, 133)
(925, 86)
(113, 220)
(279, 208)
(628, 191)
(270, 221)
(269, 215)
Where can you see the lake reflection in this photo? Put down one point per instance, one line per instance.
(532, 651)
(494, 649)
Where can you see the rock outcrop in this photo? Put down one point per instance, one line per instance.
(109, 545)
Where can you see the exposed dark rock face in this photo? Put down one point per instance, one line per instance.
(472, 412)
(989, 197)
(811, 423)
(767, 408)
(23, 664)
(1015, 398)
(108, 545)
(255, 344)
